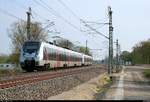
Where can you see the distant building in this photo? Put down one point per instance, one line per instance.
(7, 66)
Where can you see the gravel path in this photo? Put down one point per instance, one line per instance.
(44, 89)
(129, 85)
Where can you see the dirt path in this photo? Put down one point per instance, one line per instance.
(136, 86)
(129, 85)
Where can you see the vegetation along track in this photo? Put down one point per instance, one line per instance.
(48, 75)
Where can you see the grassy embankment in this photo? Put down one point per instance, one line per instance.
(147, 73)
(103, 85)
(9, 72)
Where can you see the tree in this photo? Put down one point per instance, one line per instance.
(14, 58)
(64, 43)
(4, 59)
(141, 53)
(84, 50)
(126, 56)
(69, 45)
(18, 35)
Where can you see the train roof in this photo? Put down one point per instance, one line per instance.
(68, 50)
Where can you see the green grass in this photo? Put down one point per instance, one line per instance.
(147, 73)
(9, 72)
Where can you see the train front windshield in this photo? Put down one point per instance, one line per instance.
(31, 47)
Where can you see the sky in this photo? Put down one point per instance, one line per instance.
(130, 20)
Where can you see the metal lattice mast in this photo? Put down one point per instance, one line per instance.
(110, 64)
(117, 55)
(28, 24)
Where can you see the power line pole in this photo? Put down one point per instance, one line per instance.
(110, 38)
(117, 57)
(28, 23)
(86, 47)
(67, 45)
(110, 64)
(119, 50)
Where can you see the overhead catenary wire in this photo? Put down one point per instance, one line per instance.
(61, 2)
(91, 23)
(67, 8)
(74, 14)
(94, 29)
(33, 11)
(48, 8)
(9, 14)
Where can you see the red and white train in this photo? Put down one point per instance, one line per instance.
(43, 55)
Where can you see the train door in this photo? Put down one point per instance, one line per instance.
(65, 58)
(83, 60)
(68, 58)
(45, 55)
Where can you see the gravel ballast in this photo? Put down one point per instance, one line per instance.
(44, 89)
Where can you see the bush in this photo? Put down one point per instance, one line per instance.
(147, 73)
(9, 72)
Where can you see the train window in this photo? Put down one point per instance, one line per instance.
(72, 59)
(31, 47)
(58, 56)
(54, 54)
(68, 57)
(51, 54)
(75, 58)
(61, 56)
(65, 59)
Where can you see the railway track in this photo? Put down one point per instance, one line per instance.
(35, 78)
